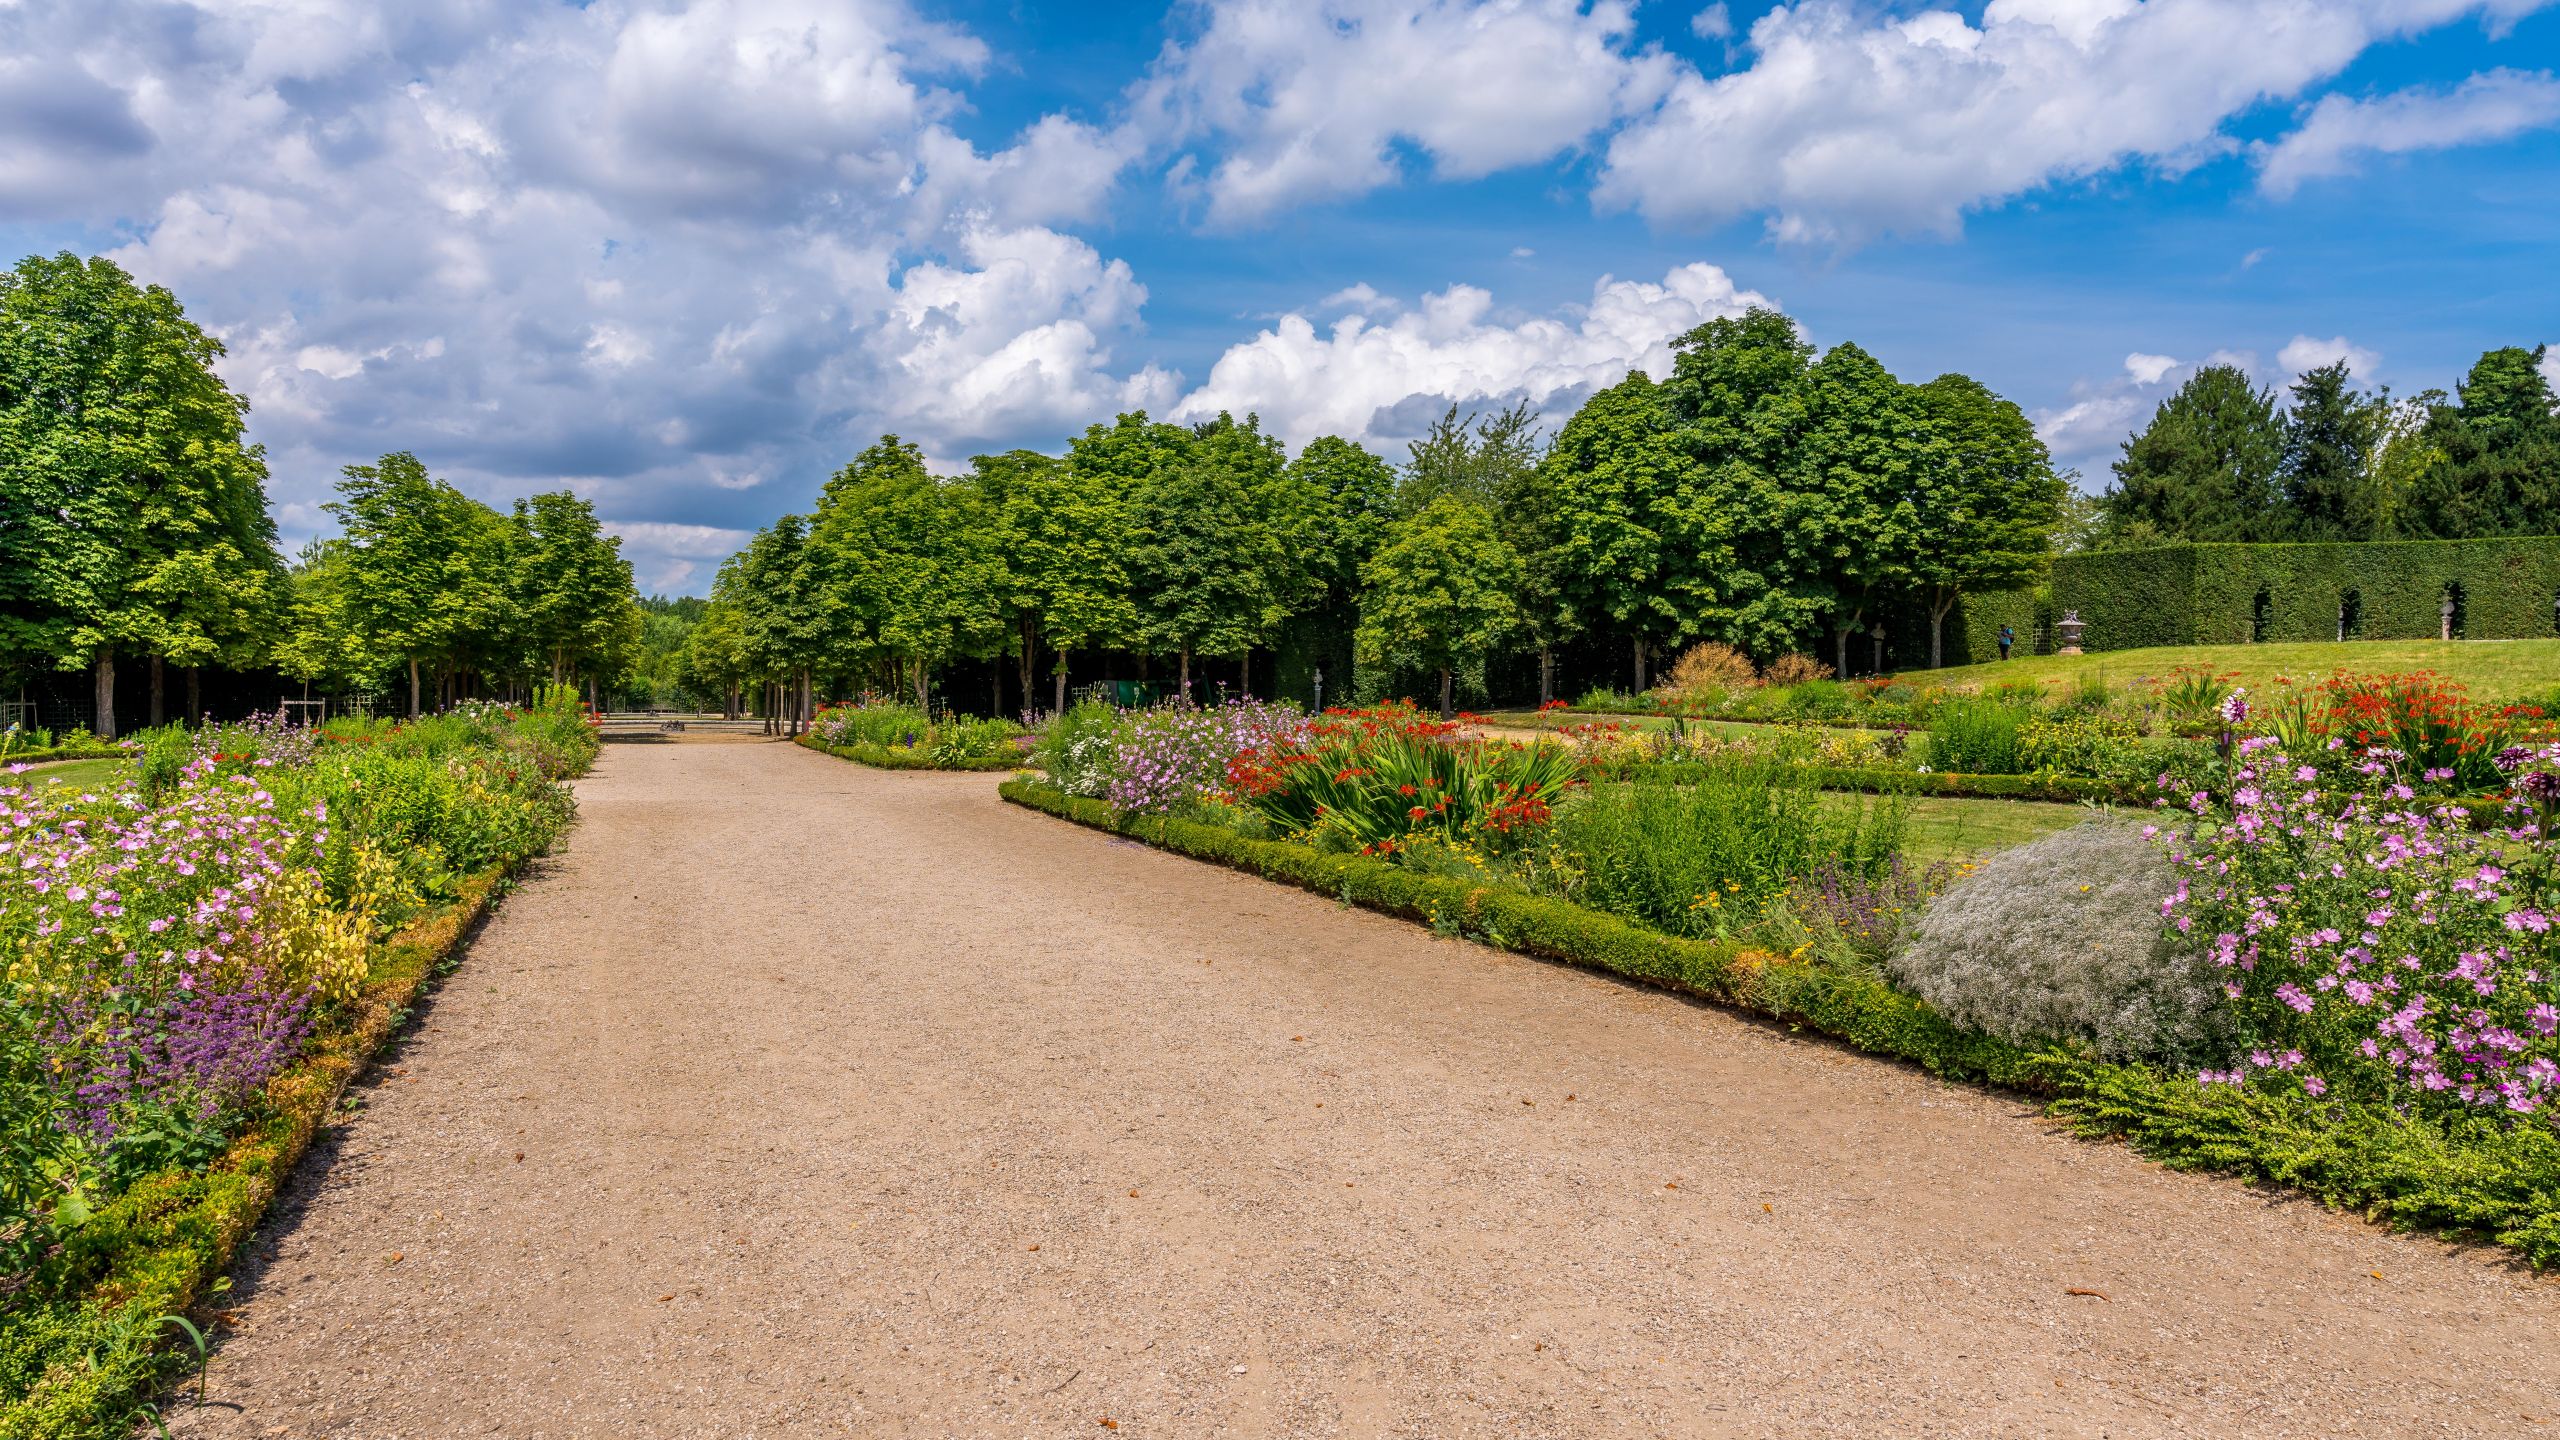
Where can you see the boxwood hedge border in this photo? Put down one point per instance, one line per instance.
(2473, 1179)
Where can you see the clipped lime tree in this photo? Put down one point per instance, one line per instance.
(1441, 593)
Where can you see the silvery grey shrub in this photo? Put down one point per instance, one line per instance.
(2062, 938)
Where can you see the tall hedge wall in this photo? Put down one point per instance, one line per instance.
(2508, 589)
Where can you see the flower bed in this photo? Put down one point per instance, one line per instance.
(893, 736)
(1730, 877)
(200, 962)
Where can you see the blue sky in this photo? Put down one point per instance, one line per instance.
(686, 256)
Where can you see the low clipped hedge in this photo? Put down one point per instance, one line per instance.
(95, 750)
(153, 1250)
(886, 757)
(2057, 789)
(2475, 1179)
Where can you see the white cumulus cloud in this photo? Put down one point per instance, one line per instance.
(2308, 352)
(2339, 132)
(1382, 381)
(1307, 100)
(1853, 122)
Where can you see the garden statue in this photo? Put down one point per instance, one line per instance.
(2070, 626)
(2445, 617)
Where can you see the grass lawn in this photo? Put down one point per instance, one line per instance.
(1944, 827)
(2492, 669)
(87, 773)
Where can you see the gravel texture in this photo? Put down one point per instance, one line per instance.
(796, 1098)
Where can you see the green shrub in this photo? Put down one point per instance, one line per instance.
(2094, 746)
(1705, 858)
(2061, 938)
(1811, 699)
(1978, 735)
(1076, 747)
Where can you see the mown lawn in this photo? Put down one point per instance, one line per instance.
(85, 773)
(2492, 669)
(1945, 827)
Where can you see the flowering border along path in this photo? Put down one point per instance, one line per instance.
(883, 757)
(2471, 1179)
(162, 1242)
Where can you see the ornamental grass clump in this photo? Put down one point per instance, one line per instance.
(1710, 858)
(2372, 946)
(2061, 939)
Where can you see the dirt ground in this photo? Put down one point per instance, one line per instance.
(796, 1098)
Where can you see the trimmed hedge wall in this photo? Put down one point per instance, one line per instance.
(2473, 1178)
(2209, 594)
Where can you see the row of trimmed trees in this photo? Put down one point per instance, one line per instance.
(134, 524)
(1759, 495)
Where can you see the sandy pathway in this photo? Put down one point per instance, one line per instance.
(802, 1099)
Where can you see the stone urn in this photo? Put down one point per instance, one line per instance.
(2069, 628)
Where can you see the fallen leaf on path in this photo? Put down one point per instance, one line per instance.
(1670, 1184)
(519, 1157)
(1765, 1206)
(1035, 1247)
(1297, 1039)
(394, 1258)
(663, 1299)
(1107, 1423)
(1133, 1194)
(1568, 1097)
(1532, 1104)
(2076, 1290)
(2376, 1274)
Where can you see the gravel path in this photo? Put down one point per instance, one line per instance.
(796, 1098)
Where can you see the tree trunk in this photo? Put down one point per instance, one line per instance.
(1062, 680)
(1030, 658)
(1444, 692)
(1644, 652)
(556, 662)
(995, 687)
(1938, 629)
(1244, 675)
(1186, 672)
(105, 728)
(1840, 651)
(159, 696)
(195, 694)
(1546, 674)
(924, 687)
(413, 687)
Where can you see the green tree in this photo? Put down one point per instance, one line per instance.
(1062, 531)
(1440, 593)
(1634, 549)
(1212, 571)
(426, 567)
(1985, 518)
(715, 660)
(2332, 439)
(908, 565)
(2500, 445)
(1758, 540)
(784, 621)
(571, 588)
(2205, 468)
(133, 516)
